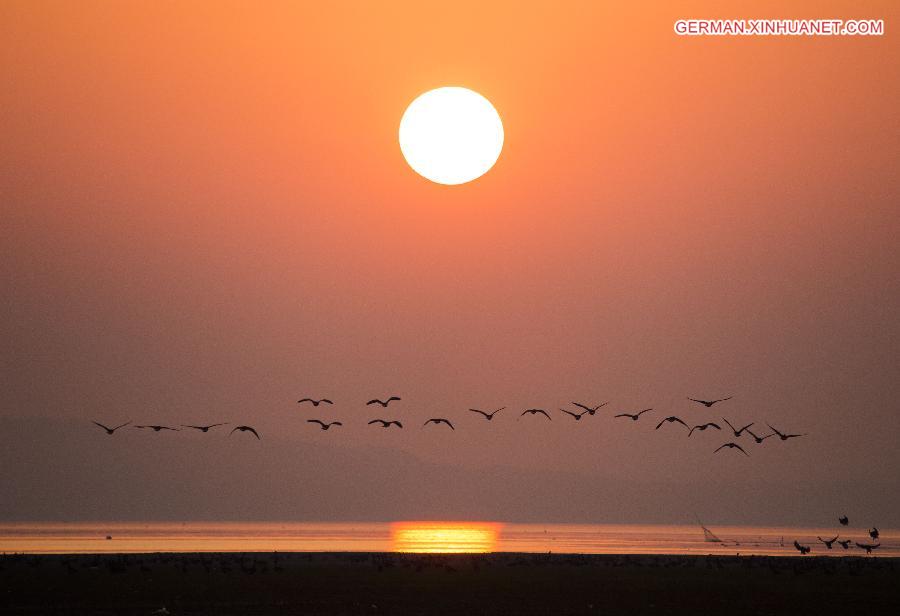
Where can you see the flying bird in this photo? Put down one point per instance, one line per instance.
(438, 420)
(868, 547)
(535, 412)
(108, 429)
(324, 425)
(828, 542)
(383, 403)
(576, 416)
(803, 549)
(590, 409)
(737, 433)
(733, 446)
(709, 403)
(315, 402)
(385, 423)
(844, 520)
(845, 544)
(759, 439)
(158, 428)
(633, 417)
(783, 436)
(873, 533)
(245, 429)
(673, 419)
(203, 428)
(703, 427)
(488, 416)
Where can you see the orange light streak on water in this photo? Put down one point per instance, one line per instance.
(444, 537)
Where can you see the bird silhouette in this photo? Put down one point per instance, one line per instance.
(874, 533)
(324, 425)
(844, 520)
(576, 416)
(732, 446)
(245, 429)
(737, 433)
(386, 424)
(590, 409)
(868, 547)
(845, 544)
(108, 429)
(759, 439)
(634, 417)
(488, 416)
(709, 403)
(158, 428)
(828, 542)
(315, 402)
(673, 419)
(703, 427)
(383, 403)
(438, 420)
(803, 549)
(535, 412)
(203, 428)
(783, 436)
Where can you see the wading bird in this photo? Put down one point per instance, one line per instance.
(868, 547)
(759, 439)
(535, 412)
(590, 409)
(844, 520)
(576, 416)
(383, 403)
(203, 428)
(703, 427)
(635, 416)
(386, 424)
(672, 419)
(737, 433)
(488, 416)
(245, 429)
(108, 429)
(709, 403)
(783, 436)
(732, 446)
(438, 420)
(315, 402)
(803, 549)
(828, 542)
(158, 428)
(324, 425)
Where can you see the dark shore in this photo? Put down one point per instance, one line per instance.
(399, 584)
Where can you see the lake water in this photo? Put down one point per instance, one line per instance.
(424, 537)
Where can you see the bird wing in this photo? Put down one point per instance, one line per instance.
(376, 421)
(695, 400)
(447, 421)
(673, 418)
(121, 426)
(255, 433)
(326, 401)
(644, 411)
(336, 423)
(659, 425)
(194, 427)
(729, 424)
(306, 400)
(745, 427)
(393, 398)
(723, 447)
(544, 413)
(318, 421)
(477, 411)
(100, 424)
(723, 399)
(623, 415)
(714, 425)
(399, 425)
(774, 431)
(736, 446)
(578, 404)
(376, 401)
(691, 431)
(571, 413)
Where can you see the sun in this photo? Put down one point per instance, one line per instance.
(451, 135)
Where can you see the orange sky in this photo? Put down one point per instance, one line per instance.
(206, 214)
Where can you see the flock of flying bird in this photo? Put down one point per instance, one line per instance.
(586, 409)
(845, 543)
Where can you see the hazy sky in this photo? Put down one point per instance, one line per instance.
(205, 215)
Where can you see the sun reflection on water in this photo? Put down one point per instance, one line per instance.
(444, 537)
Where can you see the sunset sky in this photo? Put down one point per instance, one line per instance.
(205, 216)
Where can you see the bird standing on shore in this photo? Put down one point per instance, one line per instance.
(111, 430)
